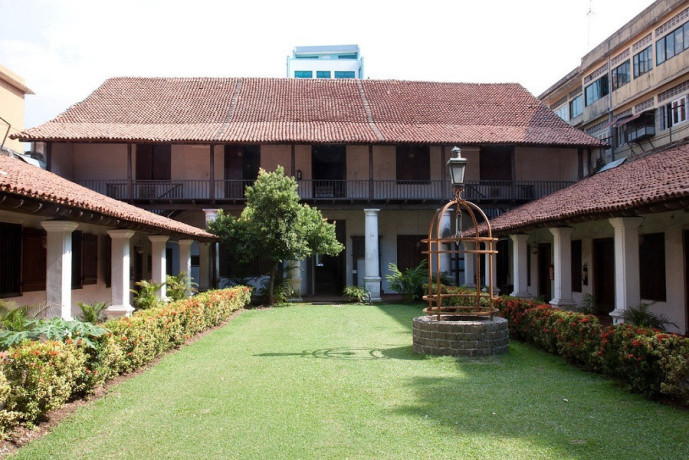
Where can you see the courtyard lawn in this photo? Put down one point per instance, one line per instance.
(343, 381)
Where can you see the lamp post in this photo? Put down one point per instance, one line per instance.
(456, 167)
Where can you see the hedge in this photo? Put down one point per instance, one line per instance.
(646, 360)
(39, 376)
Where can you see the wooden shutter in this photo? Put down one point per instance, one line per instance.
(10, 261)
(107, 260)
(76, 259)
(89, 258)
(33, 260)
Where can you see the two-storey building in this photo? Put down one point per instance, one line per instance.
(369, 154)
(632, 90)
(13, 91)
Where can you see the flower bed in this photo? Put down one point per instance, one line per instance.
(36, 377)
(647, 360)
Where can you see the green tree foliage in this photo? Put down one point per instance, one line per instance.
(275, 225)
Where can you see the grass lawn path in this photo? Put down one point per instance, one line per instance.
(342, 381)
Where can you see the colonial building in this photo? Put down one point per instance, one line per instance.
(369, 154)
(632, 90)
(61, 243)
(620, 236)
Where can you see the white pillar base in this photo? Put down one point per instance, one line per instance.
(116, 311)
(617, 316)
(372, 286)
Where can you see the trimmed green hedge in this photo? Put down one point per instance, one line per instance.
(37, 377)
(647, 360)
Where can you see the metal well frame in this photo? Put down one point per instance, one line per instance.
(478, 303)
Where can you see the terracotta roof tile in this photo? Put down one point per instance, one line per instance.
(23, 180)
(308, 110)
(654, 180)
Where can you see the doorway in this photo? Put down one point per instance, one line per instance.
(545, 261)
(329, 169)
(604, 275)
(409, 253)
(241, 168)
(329, 271)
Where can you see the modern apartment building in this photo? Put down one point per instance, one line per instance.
(333, 61)
(12, 94)
(370, 154)
(631, 91)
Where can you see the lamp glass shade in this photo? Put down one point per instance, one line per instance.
(456, 168)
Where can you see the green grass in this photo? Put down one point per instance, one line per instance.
(335, 382)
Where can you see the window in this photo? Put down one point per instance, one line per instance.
(643, 61)
(673, 113)
(679, 110)
(620, 75)
(576, 265)
(672, 44)
(596, 90)
(84, 259)
(323, 74)
(413, 164)
(346, 56)
(652, 266)
(303, 74)
(344, 74)
(76, 259)
(10, 262)
(33, 260)
(562, 112)
(576, 106)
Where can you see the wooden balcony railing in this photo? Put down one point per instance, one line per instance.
(326, 190)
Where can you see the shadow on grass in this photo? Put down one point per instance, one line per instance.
(404, 314)
(348, 353)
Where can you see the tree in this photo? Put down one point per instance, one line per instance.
(275, 225)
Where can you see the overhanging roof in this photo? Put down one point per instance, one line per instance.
(272, 110)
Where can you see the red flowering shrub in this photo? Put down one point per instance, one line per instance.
(41, 376)
(647, 360)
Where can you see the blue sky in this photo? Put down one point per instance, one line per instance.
(65, 49)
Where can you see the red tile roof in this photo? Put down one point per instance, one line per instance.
(271, 110)
(21, 180)
(657, 182)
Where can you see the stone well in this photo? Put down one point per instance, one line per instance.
(472, 336)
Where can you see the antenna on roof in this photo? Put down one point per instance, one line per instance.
(589, 13)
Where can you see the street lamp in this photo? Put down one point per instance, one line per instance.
(456, 167)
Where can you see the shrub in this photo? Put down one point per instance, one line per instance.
(42, 376)
(179, 287)
(464, 296)
(356, 294)
(646, 360)
(408, 283)
(642, 315)
(92, 313)
(145, 296)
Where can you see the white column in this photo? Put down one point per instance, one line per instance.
(119, 273)
(158, 262)
(59, 265)
(211, 215)
(562, 263)
(294, 273)
(445, 230)
(372, 276)
(627, 292)
(486, 268)
(204, 266)
(469, 265)
(520, 253)
(185, 260)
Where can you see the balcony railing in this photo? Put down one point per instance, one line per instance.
(326, 190)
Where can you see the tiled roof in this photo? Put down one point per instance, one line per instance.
(22, 180)
(273, 110)
(643, 185)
